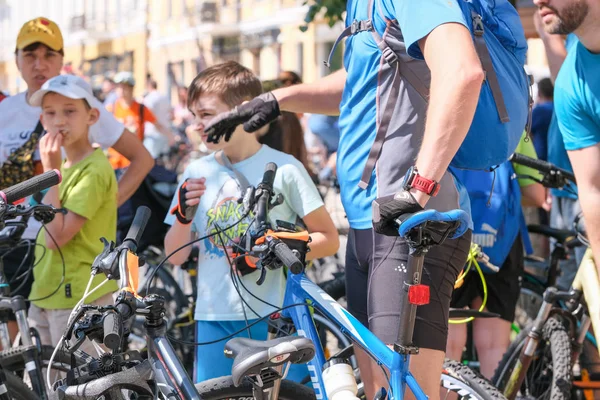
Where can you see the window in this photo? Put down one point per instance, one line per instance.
(175, 78)
(300, 59)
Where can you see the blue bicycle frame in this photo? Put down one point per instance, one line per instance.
(301, 290)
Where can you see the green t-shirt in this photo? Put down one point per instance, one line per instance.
(89, 189)
(525, 147)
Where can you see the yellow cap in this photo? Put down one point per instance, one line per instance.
(40, 30)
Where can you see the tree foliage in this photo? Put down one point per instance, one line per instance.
(334, 10)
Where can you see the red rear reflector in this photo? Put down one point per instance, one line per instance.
(418, 294)
(275, 316)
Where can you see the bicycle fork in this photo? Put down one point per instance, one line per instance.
(31, 354)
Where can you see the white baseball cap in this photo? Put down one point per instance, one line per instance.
(125, 77)
(70, 86)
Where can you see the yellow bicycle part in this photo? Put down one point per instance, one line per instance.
(472, 261)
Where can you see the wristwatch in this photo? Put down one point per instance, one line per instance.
(412, 180)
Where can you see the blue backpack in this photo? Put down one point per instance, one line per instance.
(505, 101)
(504, 108)
(496, 211)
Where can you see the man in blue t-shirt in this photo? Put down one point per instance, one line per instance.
(565, 204)
(434, 31)
(577, 99)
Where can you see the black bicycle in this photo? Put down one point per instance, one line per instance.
(122, 373)
(29, 358)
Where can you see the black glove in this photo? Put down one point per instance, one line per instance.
(183, 212)
(254, 114)
(387, 209)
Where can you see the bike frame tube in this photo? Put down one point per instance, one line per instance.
(169, 372)
(300, 289)
(587, 281)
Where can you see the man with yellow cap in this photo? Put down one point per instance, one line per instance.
(39, 56)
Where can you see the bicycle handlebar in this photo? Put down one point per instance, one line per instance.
(542, 166)
(140, 220)
(266, 189)
(286, 255)
(31, 186)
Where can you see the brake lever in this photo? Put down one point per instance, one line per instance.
(262, 277)
(107, 262)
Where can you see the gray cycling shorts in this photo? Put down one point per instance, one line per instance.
(374, 285)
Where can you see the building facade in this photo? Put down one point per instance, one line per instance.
(172, 40)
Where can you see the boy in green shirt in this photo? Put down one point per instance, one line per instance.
(70, 243)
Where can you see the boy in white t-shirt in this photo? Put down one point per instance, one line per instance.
(215, 189)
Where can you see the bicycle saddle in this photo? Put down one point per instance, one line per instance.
(252, 356)
(562, 235)
(436, 222)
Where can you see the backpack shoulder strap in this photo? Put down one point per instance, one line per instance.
(39, 129)
(488, 66)
(401, 71)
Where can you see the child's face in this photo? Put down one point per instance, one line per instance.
(204, 110)
(68, 117)
(125, 91)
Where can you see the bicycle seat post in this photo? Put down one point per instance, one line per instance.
(413, 271)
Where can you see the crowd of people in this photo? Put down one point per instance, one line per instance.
(106, 146)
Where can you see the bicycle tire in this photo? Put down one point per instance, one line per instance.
(223, 388)
(556, 341)
(17, 389)
(466, 383)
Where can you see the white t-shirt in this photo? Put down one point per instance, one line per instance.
(218, 299)
(156, 142)
(18, 120)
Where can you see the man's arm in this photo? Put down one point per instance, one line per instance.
(586, 164)
(321, 97)
(141, 164)
(456, 79)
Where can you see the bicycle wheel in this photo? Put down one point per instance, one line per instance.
(223, 388)
(549, 375)
(17, 389)
(466, 383)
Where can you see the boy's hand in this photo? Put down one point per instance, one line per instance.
(189, 195)
(50, 151)
(254, 114)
